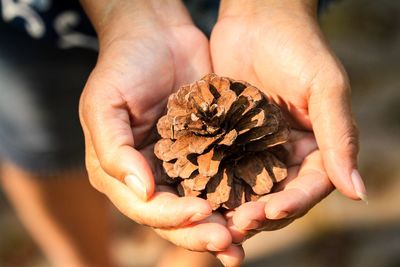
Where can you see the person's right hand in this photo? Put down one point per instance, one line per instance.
(139, 66)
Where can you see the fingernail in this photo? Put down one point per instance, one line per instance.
(136, 185)
(250, 225)
(279, 215)
(211, 247)
(359, 186)
(229, 214)
(198, 217)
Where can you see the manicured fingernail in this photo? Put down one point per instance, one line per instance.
(198, 217)
(137, 186)
(211, 247)
(229, 214)
(249, 225)
(278, 215)
(359, 186)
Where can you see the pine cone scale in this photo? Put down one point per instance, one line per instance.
(184, 167)
(229, 138)
(219, 188)
(221, 141)
(254, 173)
(209, 162)
(277, 138)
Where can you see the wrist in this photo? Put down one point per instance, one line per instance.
(113, 19)
(254, 8)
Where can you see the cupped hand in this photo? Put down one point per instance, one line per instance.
(278, 47)
(306, 185)
(121, 103)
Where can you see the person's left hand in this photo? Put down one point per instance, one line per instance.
(278, 47)
(306, 185)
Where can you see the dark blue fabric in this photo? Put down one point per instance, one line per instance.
(40, 86)
(204, 13)
(323, 5)
(46, 12)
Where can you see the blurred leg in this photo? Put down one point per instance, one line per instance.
(68, 219)
(180, 257)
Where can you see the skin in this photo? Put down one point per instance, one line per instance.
(147, 55)
(283, 52)
(124, 97)
(71, 231)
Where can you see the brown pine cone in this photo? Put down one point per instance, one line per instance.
(221, 140)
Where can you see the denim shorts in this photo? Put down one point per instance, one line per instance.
(40, 87)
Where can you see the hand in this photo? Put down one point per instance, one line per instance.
(278, 47)
(139, 66)
(306, 185)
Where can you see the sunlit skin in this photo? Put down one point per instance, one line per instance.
(124, 97)
(278, 48)
(282, 51)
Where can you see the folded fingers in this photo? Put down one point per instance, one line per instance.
(299, 194)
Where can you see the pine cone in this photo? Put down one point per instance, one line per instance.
(221, 140)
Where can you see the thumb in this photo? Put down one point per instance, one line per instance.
(106, 123)
(336, 134)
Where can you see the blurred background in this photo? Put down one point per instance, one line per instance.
(365, 34)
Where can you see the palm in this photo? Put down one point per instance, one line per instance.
(279, 59)
(146, 72)
(270, 57)
(122, 101)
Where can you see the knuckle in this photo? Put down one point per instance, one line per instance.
(139, 218)
(339, 81)
(94, 182)
(84, 102)
(331, 81)
(187, 241)
(135, 212)
(108, 162)
(348, 141)
(162, 217)
(94, 179)
(272, 225)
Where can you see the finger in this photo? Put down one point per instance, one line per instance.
(301, 193)
(208, 235)
(299, 145)
(336, 134)
(251, 215)
(107, 123)
(255, 222)
(278, 209)
(231, 257)
(160, 176)
(164, 209)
